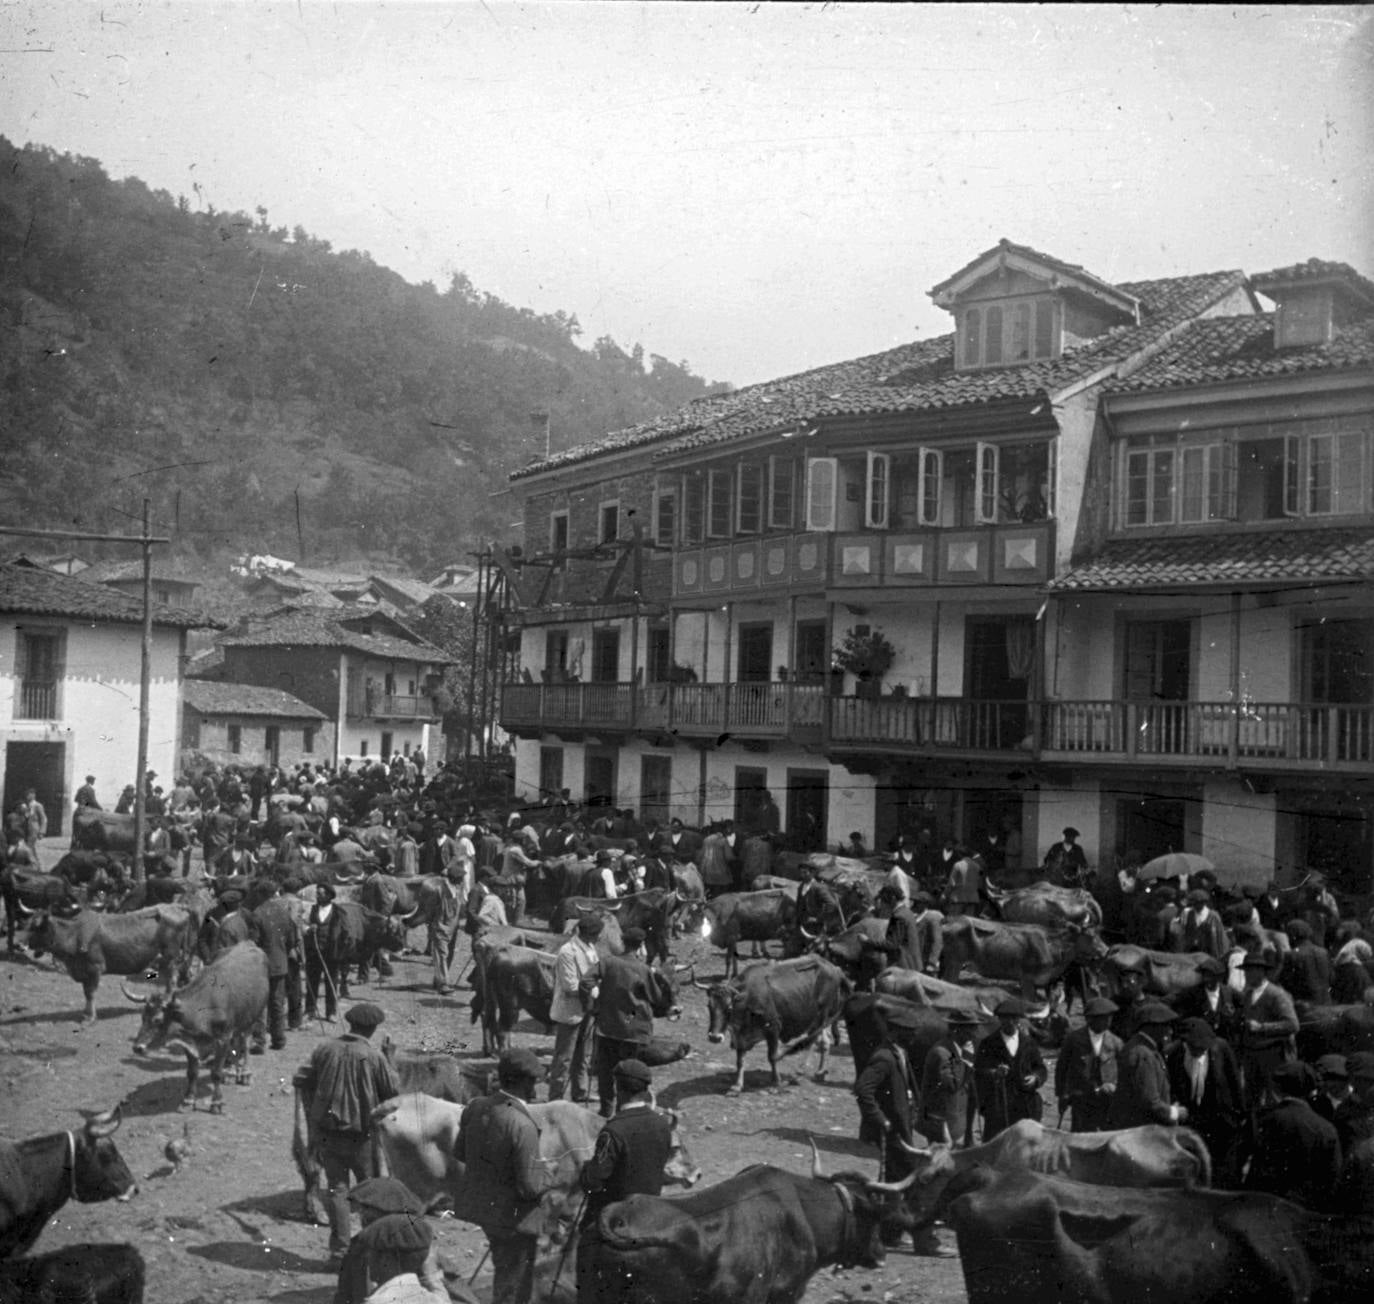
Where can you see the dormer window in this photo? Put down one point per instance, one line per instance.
(1007, 332)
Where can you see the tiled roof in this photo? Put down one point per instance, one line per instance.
(417, 591)
(1226, 557)
(1072, 270)
(298, 628)
(1316, 269)
(910, 378)
(1242, 348)
(210, 697)
(106, 572)
(28, 591)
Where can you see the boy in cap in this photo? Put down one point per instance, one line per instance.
(498, 1144)
(1086, 1068)
(1297, 1154)
(351, 1077)
(381, 1197)
(1008, 1071)
(396, 1247)
(1142, 1091)
(1199, 927)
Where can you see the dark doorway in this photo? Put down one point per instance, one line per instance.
(813, 652)
(1157, 678)
(272, 742)
(1150, 826)
(750, 785)
(1336, 837)
(755, 653)
(600, 780)
(39, 766)
(1000, 658)
(808, 794)
(655, 788)
(550, 772)
(605, 656)
(656, 656)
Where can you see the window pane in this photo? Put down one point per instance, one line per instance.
(665, 527)
(992, 352)
(1020, 332)
(1320, 450)
(694, 509)
(1162, 488)
(820, 509)
(973, 323)
(1193, 475)
(781, 492)
(1137, 487)
(750, 498)
(719, 508)
(610, 522)
(1349, 473)
(1044, 328)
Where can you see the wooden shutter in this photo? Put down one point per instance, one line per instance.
(822, 477)
(932, 472)
(879, 491)
(985, 501)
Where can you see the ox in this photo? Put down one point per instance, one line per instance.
(651, 911)
(1028, 1238)
(735, 917)
(418, 1135)
(507, 979)
(756, 1238)
(1334, 1030)
(1048, 905)
(355, 939)
(103, 830)
(38, 1176)
(864, 1032)
(788, 1005)
(92, 1274)
(209, 1017)
(1048, 1022)
(1025, 953)
(1167, 974)
(862, 950)
(1152, 1155)
(26, 893)
(91, 944)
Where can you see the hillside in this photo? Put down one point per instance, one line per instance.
(264, 391)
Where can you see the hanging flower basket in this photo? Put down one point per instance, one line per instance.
(867, 656)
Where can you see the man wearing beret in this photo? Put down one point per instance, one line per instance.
(1297, 1154)
(1065, 863)
(396, 1248)
(1212, 1000)
(630, 1153)
(498, 1145)
(1268, 1029)
(1142, 1089)
(1085, 1070)
(1205, 1078)
(1008, 1071)
(628, 996)
(1355, 1118)
(380, 1197)
(351, 1078)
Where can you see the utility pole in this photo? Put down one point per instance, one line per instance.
(146, 541)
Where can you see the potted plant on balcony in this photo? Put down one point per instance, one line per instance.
(868, 656)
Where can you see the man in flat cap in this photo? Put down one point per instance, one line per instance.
(1142, 1089)
(396, 1248)
(1297, 1154)
(1205, 1078)
(1268, 1026)
(1305, 973)
(1129, 997)
(1199, 927)
(947, 1101)
(1212, 1000)
(1066, 864)
(380, 1197)
(1008, 1071)
(498, 1145)
(350, 1078)
(1085, 1070)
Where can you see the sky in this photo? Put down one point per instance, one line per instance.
(752, 189)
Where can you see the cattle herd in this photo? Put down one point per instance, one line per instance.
(1038, 1212)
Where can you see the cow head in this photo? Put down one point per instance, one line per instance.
(871, 1208)
(720, 1005)
(680, 1169)
(42, 933)
(394, 934)
(98, 1170)
(161, 1017)
(1088, 947)
(932, 1168)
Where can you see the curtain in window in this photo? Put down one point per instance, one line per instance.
(1020, 648)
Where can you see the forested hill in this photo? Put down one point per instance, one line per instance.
(228, 369)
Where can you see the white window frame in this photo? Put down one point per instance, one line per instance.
(601, 510)
(750, 471)
(1213, 478)
(878, 491)
(719, 480)
(669, 495)
(985, 500)
(822, 498)
(782, 470)
(693, 481)
(930, 476)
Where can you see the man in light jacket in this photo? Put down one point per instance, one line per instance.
(577, 958)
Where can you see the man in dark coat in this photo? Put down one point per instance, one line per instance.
(1142, 1088)
(905, 939)
(1199, 927)
(1297, 1154)
(1306, 970)
(1212, 1001)
(1008, 1071)
(947, 1100)
(1066, 864)
(1085, 1071)
(321, 946)
(279, 934)
(1205, 1078)
(889, 1100)
(498, 1145)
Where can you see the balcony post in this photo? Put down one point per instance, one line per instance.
(634, 656)
(1234, 741)
(1131, 740)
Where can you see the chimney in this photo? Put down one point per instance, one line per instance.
(1315, 299)
(539, 423)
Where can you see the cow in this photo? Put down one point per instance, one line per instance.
(1152, 1155)
(862, 950)
(103, 830)
(1026, 953)
(90, 944)
(26, 894)
(97, 871)
(1167, 974)
(862, 1027)
(735, 917)
(389, 895)
(650, 911)
(93, 1274)
(1029, 1238)
(1048, 1022)
(355, 939)
(507, 979)
(39, 1175)
(788, 1005)
(209, 1018)
(418, 1134)
(1334, 1030)
(755, 1238)
(1048, 905)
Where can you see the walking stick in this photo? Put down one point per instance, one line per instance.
(573, 1235)
(481, 1263)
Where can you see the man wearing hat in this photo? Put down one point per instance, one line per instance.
(1008, 1071)
(1334, 1092)
(905, 938)
(1199, 927)
(1305, 973)
(1297, 1154)
(627, 995)
(1205, 1078)
(1268, 1026)
(1212, 1000)
(947, 1103)
(1129, 997)
(1142, 1087)
(277, 929)
(351, 1077)
(1355, 1120)
(85, 795)
(1065, 864)
(889, 1100)
(498, 1145)
(397, 1249)
(381, 1197)
(572, 1020)
(1086, 1068)
(321, 945)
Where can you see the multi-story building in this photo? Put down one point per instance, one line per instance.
(1085, 521)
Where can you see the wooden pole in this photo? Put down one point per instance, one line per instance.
(144, 682)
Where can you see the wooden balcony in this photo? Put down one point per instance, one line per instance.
(1204, 735)
(377, 705)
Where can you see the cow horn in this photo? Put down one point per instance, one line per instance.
(911, 1149)
(408, 920)
(137, 1000)
(983, 1008)
(896, 1188)
(696, 982)
(801, 928)
(816, 1170)
(21, 908)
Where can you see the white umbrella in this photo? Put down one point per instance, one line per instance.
(1176, 864)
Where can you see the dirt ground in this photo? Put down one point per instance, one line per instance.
(228, 1226)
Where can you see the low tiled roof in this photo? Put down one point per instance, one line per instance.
(1242, 348)
(29, 591)
(104, 572)
(210, 697)
(910, 378)
(417, 591)
(299, 628)
(1244, 559)
(1316, 269)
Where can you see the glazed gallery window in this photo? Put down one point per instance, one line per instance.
(1014, 331)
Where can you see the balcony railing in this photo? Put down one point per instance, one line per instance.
(1256, 735)
(37, 700)
(377, 705)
